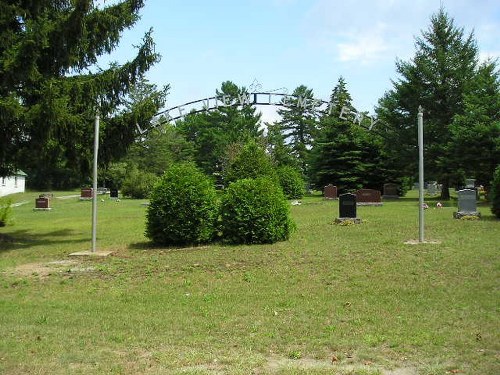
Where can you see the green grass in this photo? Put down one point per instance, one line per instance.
(354, 292)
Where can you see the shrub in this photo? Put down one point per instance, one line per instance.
(138, 184)
(255, 211)
(495, 193)
(251, 161)
(5, 211)
(291, 182)
(183, 207)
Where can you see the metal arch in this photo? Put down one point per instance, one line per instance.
(252, 98)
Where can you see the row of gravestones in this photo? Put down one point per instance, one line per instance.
(467, 206)
(365, 196)
(42, 203)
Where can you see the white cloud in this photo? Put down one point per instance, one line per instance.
(364, 47)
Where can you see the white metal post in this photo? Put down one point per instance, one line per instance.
(94, 186)
(421, 173)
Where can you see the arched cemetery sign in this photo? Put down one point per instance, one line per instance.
(257, 98)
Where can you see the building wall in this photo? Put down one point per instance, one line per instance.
(12, 184)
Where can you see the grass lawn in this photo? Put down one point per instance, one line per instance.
(332, 300)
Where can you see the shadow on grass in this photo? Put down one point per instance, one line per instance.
(23, 239)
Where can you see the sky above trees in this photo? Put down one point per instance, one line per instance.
(285, 43)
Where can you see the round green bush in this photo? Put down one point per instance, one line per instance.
(183, 208)
(495, 193)
(255, 211)
(251, 161)
(291, 182)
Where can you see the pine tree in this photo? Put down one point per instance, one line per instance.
(436, 78)
(212, 133)
(345, 153)
(51, 88)
(299, 120)
(475, 134)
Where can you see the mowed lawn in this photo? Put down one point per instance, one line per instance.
(333, 299)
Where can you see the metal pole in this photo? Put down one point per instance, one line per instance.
(421, 173)
(94, 186)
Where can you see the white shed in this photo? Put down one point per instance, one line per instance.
(13, 184)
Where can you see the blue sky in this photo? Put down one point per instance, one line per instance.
(282, 44)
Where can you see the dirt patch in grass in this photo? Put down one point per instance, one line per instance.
(276, 365)
(43, 270)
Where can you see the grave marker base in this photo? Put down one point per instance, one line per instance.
(459, 215)
(42, 209)
(355, 220)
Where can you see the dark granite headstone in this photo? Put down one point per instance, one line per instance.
(347, 206)
(391, 190)
(113, 193)
(368, 197)
(330, 192)
(467, 205)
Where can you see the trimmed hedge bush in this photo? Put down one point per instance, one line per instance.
(183, 208)
(495, 193)
(291, 182)
(255, 211)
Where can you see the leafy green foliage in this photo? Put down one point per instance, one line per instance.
(291, 182)
(5, 211)
(249, 161)
(495, 193)
(255, 211)
(138, 184)
(183, 207)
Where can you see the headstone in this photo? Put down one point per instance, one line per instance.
(391, 191)
(42, 204)
(432, 187)
(330, 192)
(368, 197)
(347, 208)
(467, 205)
(470, 183)
(86, 193)
(113, 193)
(102, 190)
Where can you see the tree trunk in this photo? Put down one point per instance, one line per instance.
(445, 190)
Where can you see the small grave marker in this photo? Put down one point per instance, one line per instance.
(432, 187)
(330, 192)
(368, 197)
(467, 205)
(391, 191)
(42, 204)
(113, 193)
(86, 193)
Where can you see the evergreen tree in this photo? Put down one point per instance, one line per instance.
(345, 153)
(51, 89)
(299, 123)
(213, 132)
(436, 78)
(280, 152)
(475, 134)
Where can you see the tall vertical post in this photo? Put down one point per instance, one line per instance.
(94, 186)
(420, 126)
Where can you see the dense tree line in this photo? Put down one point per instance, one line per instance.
(51, 89)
